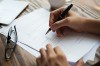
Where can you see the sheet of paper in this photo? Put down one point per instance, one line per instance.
(9, 10)
(91, 54)
(31, 30)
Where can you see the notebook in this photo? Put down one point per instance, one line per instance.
(9, 10)
(31, 30)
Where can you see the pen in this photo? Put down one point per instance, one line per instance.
(62, 15)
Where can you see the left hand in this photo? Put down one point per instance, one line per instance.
(54, 57)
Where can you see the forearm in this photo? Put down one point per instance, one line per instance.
(92, 26)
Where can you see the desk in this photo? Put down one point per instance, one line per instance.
(20, 56)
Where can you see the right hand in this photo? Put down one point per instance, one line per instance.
(72, 21)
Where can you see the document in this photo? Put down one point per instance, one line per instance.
(9, 10)
(91, 54)
(31, 30)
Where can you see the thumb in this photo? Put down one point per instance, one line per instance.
(59, 24)
(80, 63)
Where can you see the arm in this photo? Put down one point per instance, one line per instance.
(92, 26)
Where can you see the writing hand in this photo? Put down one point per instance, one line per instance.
(71, 21)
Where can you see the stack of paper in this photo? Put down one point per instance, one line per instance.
(31, 30)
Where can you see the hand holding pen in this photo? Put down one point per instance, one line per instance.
(59, 14)
(71, 21)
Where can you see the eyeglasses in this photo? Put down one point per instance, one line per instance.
(11, 41)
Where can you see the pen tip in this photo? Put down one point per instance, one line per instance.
(48, 31)
(45, 33)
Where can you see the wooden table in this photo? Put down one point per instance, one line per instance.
(19, 58)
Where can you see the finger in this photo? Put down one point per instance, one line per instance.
(54, 14)
(43, 54)
(50, 49)
(52, 19)
(66, 30)
(58, 31)
(80, 63)
(51, 56)
(58, 51)
(38, 61)
(60, 54)
(59, 24)
(57, 12)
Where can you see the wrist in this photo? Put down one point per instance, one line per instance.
(85, 23)
(92, 25)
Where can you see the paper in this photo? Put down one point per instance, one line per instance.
(9, 10)
(91, 54)
(31, 30)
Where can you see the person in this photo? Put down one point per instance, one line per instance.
(72, 21)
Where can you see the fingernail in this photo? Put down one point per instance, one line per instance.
(53, 31)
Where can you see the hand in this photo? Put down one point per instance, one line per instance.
(71, 21)
(54, 57)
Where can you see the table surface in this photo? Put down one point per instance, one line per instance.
(20, 56)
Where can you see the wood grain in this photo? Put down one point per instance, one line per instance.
(19, 58)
